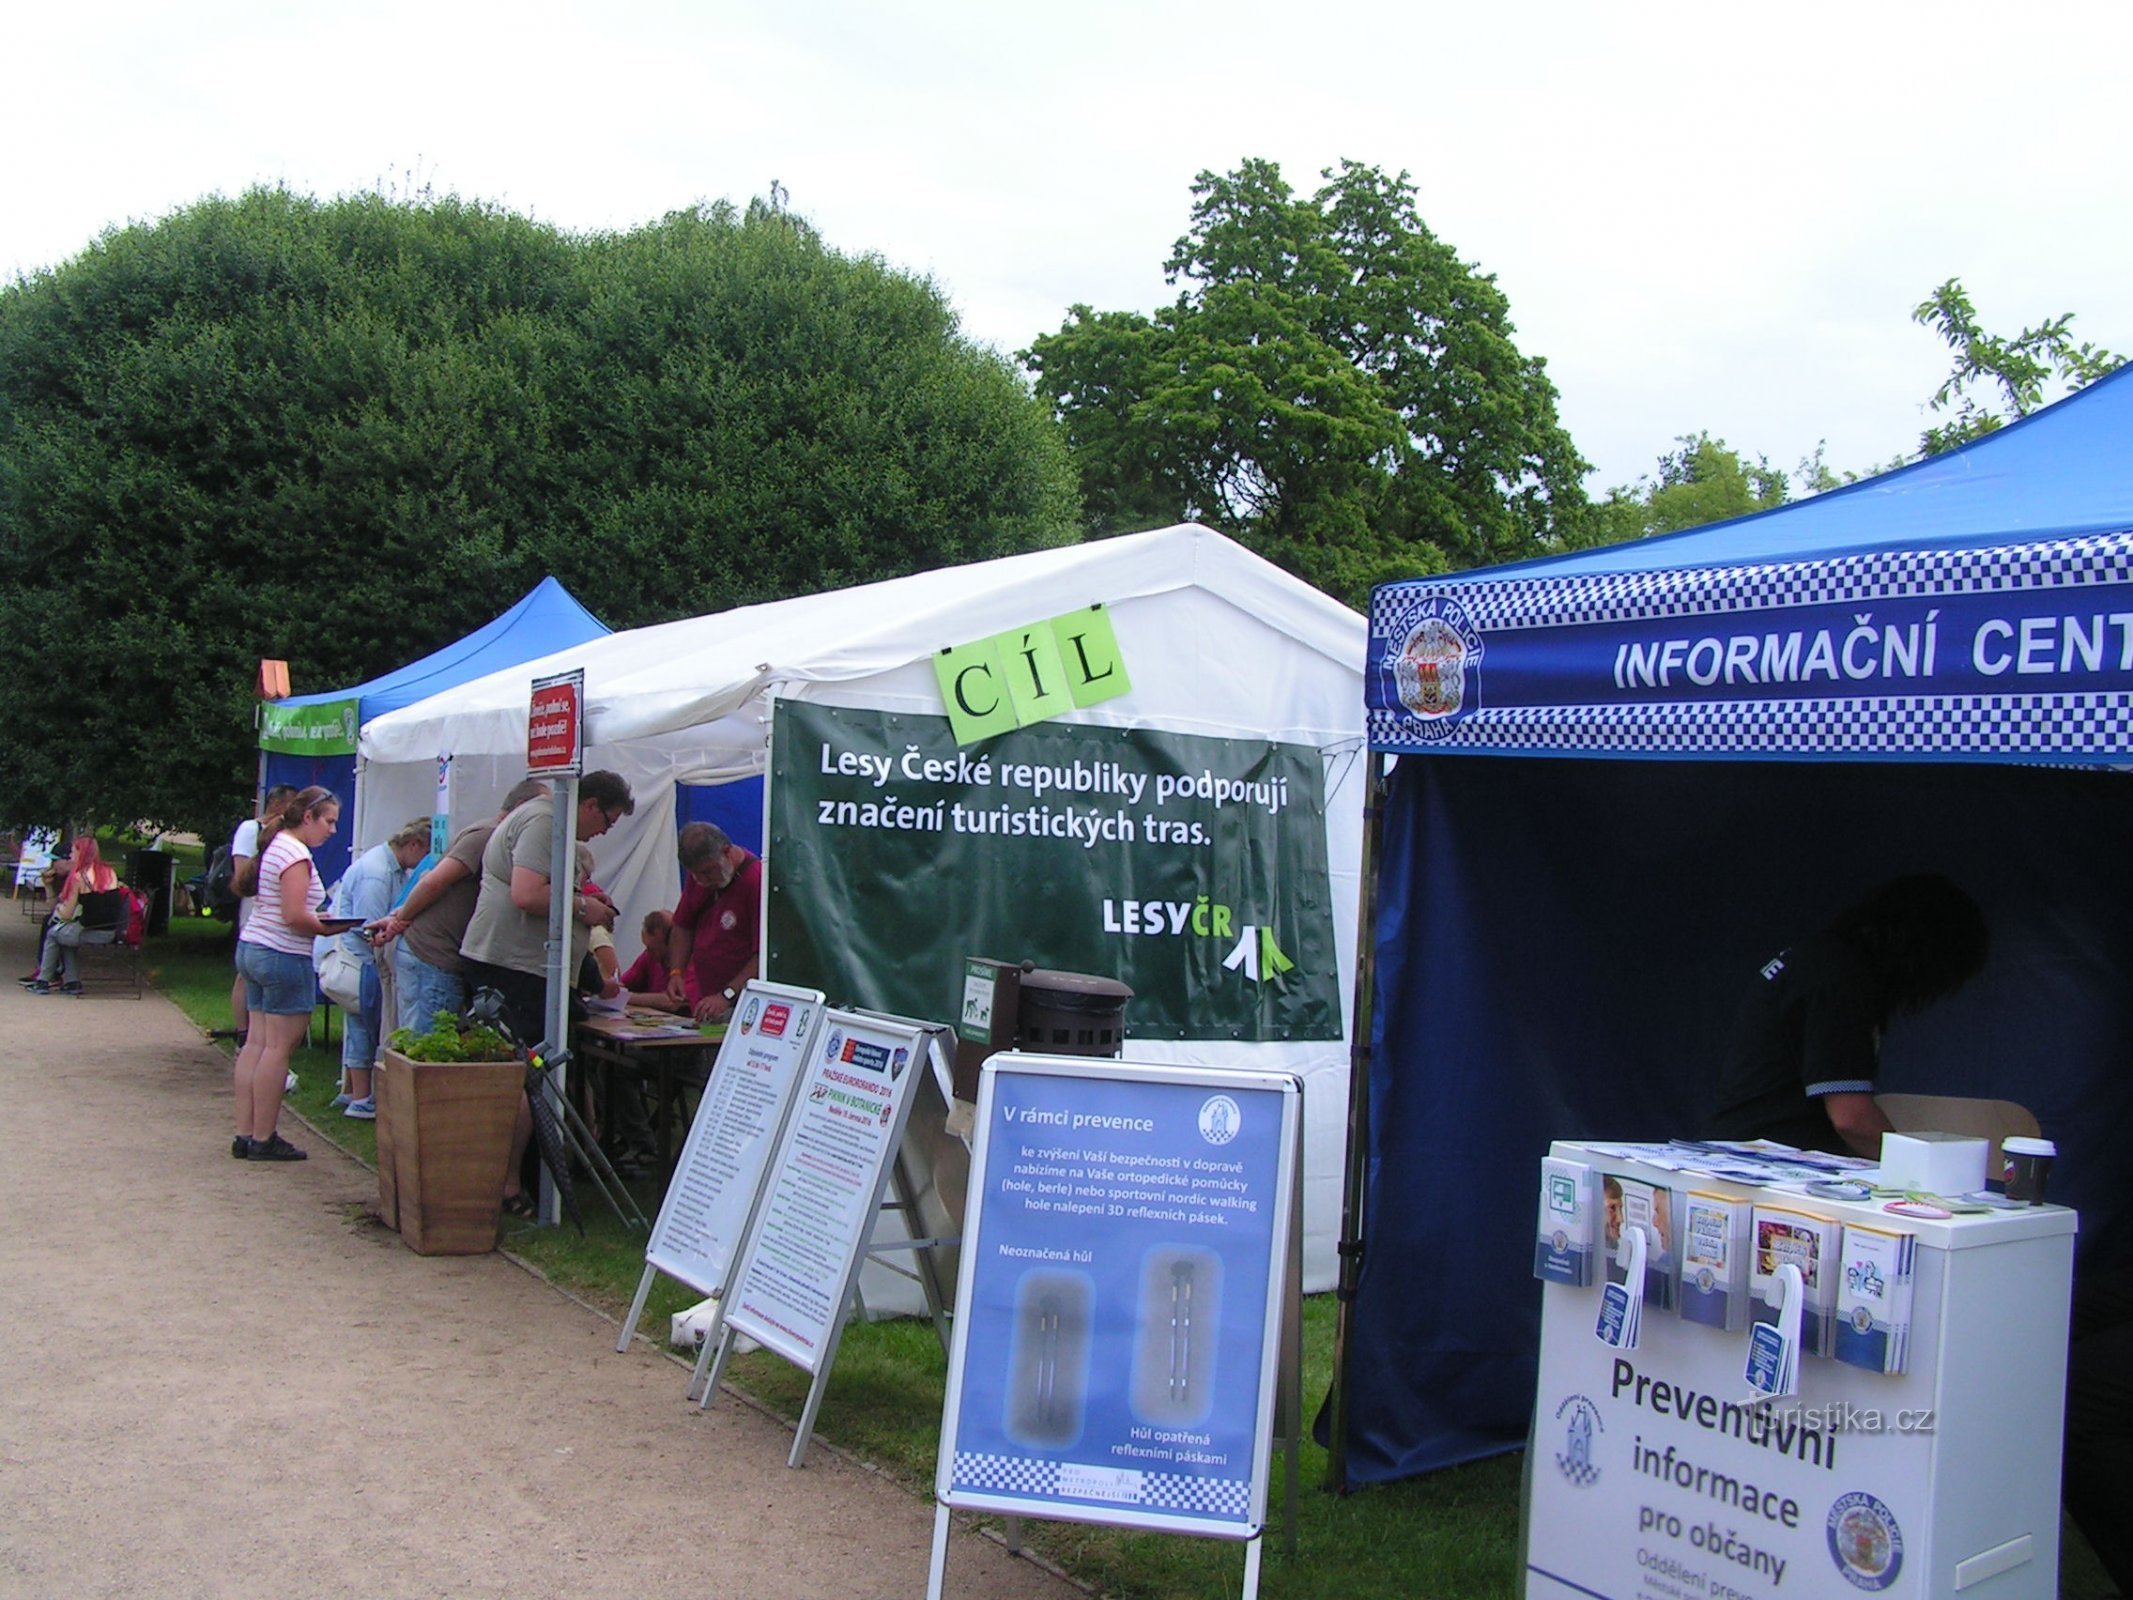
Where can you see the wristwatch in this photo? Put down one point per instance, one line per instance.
(728, 993)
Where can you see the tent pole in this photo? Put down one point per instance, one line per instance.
(1358, 1164)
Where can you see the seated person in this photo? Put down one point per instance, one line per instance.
(646, 977)
(90, 911)
(596, 974)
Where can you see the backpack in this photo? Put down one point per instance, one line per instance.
(220, 891)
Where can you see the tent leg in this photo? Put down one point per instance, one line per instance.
(1358, 1165)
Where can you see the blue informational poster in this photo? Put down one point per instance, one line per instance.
(1121, 1283)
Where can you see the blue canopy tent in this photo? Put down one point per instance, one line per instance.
(311, 738)
(1727, 735)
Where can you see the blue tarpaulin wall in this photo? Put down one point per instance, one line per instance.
(735, 809)
(1560, 948)
(1562, 939)
(547, 619)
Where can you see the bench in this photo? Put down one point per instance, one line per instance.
(121, 957)
(118, 961)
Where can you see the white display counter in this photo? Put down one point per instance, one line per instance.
(1652, 1472)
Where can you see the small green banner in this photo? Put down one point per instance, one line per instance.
(326, 728)
(1030, 674)
(1192, 869)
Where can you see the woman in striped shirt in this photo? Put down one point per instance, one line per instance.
(274, 957)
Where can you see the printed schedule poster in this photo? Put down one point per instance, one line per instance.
(722, 1164)
(825, 1187)
(1119, 1301)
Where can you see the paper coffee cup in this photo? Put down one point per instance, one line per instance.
(2026, 1165)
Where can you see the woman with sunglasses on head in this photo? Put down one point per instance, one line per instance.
(274, 956)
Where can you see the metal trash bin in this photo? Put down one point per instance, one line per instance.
(151, 874)
(1071, 1013)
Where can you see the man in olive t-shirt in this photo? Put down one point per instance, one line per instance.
(505, 947)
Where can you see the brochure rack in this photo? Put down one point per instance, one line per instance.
(1654, 1470)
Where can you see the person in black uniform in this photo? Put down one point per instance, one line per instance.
(1806, 1044)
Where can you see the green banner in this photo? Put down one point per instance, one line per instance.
(325, 729)
(1193, 869)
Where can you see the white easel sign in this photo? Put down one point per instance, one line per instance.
(800, 1261)
(722, 1166)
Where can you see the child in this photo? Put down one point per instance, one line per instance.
(646, 979)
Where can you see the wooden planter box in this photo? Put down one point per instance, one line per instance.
(444, 1141)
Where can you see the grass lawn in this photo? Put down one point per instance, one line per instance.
(1450, 1536)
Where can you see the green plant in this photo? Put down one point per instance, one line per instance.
(450, 1040)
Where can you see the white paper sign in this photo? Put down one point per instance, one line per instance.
(825, 1188)
(722, 1164)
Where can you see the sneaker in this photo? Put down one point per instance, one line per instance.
(342, 1101)
(72, 987)
(240, 1147)
(289, 1086)
(276, 1149)
(364, 1110)
(39, 986)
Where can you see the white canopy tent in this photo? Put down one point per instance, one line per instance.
(1220, 642)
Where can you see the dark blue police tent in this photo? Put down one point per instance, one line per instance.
(1724, 737)
(547, 619)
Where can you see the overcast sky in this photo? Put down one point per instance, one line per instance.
(1705, 216)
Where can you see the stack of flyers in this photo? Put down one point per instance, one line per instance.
(1714, 1260)
(1774, 1344)
(1874, 1298)
(1646, 1208)
(1622, 1301)
(1563, 1244)
(1793, 1238)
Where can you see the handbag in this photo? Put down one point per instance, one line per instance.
(340, 977)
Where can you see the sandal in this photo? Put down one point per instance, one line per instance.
(520, 1205)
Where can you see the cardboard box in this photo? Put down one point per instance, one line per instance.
(1939, 1163)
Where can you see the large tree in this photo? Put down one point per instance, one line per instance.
(1333, 386)
(343, 433)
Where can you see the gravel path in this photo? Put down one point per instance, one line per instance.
(218, 1378)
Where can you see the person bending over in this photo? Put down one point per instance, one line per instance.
(433, 918)
(1806, 1046)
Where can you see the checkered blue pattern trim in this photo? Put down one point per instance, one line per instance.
(1009, 1474)
(1505, 604)
(1219, 1497)
(1582, 1473)
(1160, 1491)
(2006, 726)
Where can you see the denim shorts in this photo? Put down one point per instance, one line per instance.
(276, 983)
(425, 990)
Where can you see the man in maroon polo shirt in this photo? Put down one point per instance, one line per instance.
(713, 947)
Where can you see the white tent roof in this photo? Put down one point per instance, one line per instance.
(678, 675)
(1217, 641)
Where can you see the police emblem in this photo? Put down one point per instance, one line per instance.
(1433, 671)
(1864, 1541)
(1580, 1420)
